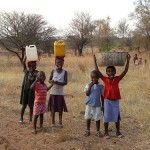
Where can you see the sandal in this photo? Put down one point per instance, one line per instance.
(21, 121)
(98, 133)
(87, 133)
(119, 135)
(106, 136)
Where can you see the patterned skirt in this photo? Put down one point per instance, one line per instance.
(111, 110)
(39, 108)
(57, 103)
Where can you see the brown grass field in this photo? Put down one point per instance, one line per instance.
(135, 105)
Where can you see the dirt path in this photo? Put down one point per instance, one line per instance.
(15, 136)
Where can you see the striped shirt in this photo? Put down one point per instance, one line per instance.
(40, 93)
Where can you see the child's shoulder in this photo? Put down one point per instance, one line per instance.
(116, 77)
(64, 70)
(101, 85)
(88, 84)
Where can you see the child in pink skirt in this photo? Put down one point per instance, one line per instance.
(40, 89)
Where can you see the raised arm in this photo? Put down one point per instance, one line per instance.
(126, 67)
(24, 62)
(96, 66)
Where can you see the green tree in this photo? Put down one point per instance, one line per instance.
(142, 16)
(103, 33)
(122, 32)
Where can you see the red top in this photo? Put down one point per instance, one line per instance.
(111, 90)
(40, 93)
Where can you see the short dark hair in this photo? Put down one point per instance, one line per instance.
(111, 67)
(95, 72)
(41, 72)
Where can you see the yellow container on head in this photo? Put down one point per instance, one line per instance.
(59, 48)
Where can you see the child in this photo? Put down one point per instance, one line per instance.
(94, 91)
(140, 61)
(40, 89)
(27, 95)
(135, 60)
(112, 96)
(56, 102)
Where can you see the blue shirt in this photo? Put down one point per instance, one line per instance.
(94, 99)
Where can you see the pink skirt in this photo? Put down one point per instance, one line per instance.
(39, 108)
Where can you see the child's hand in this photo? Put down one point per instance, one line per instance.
(37, 79)
(91, 84)
(51, 81)
(55, 82)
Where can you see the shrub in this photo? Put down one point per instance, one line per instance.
(106, 48)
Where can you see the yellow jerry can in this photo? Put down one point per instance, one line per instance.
(59, 48)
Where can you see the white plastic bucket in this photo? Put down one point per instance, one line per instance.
(111, 58)
(31, 53)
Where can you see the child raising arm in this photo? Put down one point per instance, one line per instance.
(112, 95)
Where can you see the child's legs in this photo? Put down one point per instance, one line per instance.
(96, 113)
(22, 111)
(53, 117)
(60, 117)
(88, 124)
(98, 125)
(35, 121)
(118, 124)
(106, 127)
(41, 120)
(31, 113)
(88, 116)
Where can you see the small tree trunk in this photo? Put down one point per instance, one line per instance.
(80, 50)
(75, 52)
(22, 54)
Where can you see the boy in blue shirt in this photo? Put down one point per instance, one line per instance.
(94, 102)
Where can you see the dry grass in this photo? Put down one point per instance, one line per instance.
(135, 106)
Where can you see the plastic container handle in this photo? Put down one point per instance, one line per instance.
(60, 41)
(32, 46)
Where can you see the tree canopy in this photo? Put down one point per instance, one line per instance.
(19, 29)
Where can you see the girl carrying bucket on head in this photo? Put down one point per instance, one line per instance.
(27, 95)
(57, 102)
(112, 96)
